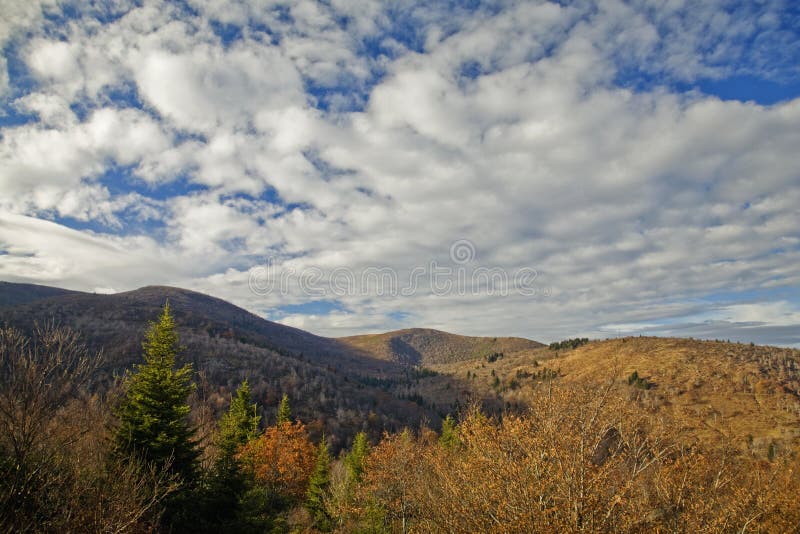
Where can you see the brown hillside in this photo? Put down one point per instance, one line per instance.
(424, 346)
(746, 395)
(726, 390)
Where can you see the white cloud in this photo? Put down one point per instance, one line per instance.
(53, 168)
(205, 88)
(514, 128)
(18, 17)
(52, 254)
(54, 61)
(781, 313)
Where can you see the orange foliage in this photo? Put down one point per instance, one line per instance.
(561, 468)
(390, 476)
(282, 459)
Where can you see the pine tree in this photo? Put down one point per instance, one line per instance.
(236, 427)
(228, 482)
(239, 424)
(153, 414)
(284, 411)
(449, 438)
(354, 461)
(317, 486)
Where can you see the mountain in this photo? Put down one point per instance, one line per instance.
(115, 322)
(424, 346)
(378, 382)
(12, 294)
(335, 388)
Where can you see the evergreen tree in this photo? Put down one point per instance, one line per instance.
(154, 412)
(238, 425)
(354, 461)
(228, 482)
(449, 438)
(284, 411)
(317, 486)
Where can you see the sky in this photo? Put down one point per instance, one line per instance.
(540, 169)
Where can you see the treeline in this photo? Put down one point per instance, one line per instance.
(569, 343)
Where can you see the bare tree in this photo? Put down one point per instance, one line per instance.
(38, 376)
(56, 474)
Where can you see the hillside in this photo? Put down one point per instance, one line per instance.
(603, 426)
(424, 346)
(716, 390)
(335, 388)
(114, 321)
(745, 394)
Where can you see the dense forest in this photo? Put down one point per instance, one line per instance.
(143, 456)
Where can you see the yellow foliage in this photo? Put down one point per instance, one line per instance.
(583, 459)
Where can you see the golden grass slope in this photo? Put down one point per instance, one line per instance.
(424, 346)
(714, 389)
(746, 395)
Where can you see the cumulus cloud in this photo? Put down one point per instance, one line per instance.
(55, 168)
(564, 139)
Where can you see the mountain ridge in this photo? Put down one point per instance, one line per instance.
(13, 293)
(386, 381)
(336, 389)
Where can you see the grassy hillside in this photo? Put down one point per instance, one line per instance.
(424, 346)
(743, 394)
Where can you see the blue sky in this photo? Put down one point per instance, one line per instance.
(635, 160)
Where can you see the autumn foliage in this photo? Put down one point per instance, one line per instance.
(581, 457)
(579, 460)
(281, 459)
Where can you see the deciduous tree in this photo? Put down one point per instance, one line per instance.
(281, 460)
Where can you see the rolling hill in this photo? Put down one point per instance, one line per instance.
(424, 346)
(115, 323)
(335, 388)
(745, 395)
(12, 294)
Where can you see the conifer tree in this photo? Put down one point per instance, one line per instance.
(228, 481)
(354, 461)
(239, 424)
(236, 427)
(154, 412)
(317, 487)
(284, 411)
(449, 438)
